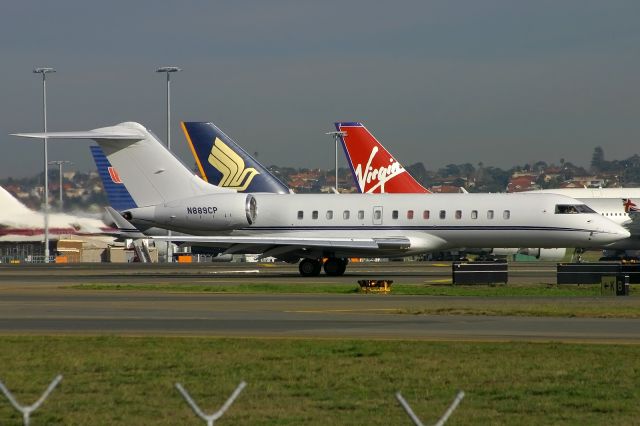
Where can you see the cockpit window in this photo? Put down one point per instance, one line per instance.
(573, 209)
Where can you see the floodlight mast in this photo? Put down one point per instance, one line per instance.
(168, 70)
(60, 163)
(336, 137)
(44, 71)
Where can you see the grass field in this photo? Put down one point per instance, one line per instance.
(127, 381)
(520, 300)
(331, 288)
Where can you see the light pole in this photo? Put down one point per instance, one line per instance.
(168, 71)
(44, 71)
(336, 137)
(60, 163)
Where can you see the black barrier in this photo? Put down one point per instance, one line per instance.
(592, 273)
(479, 272)
(632, 270)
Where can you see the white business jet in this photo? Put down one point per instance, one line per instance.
(310, 227)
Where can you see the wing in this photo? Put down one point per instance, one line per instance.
(394, 243)
(388, 246)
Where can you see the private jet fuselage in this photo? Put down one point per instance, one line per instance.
(424, 222)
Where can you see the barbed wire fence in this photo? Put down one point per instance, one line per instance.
(26, 410)
(416, 420)
(210, 419)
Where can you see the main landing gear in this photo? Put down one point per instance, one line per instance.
(333, 266)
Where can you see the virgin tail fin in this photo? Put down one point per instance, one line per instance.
(374, 169)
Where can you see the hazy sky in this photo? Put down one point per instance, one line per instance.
(502, 82)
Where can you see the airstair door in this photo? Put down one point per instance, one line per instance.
(377, 215)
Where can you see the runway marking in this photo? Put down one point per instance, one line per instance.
(238, 271)
(328, 311)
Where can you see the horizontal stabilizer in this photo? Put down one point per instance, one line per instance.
(89, 134)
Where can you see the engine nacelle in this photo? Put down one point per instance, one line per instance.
(503, 251)
(545, 253)
(217, 212)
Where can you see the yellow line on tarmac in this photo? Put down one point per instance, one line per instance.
(326, 311)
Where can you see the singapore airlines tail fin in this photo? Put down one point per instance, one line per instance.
(374, 169)
(117, 193)
(223, 163)
(151, 173)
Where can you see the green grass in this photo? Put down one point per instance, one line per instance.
(551, 309)
(126, 381)
(332, 288)
(501, 300)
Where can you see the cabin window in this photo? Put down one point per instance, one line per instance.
(443, 214)
(458, 214)
(314, 214)
(329, 214)
(346, 214)
(394, 214)
(377, 214)
(506, 214)
(489, 214)
(409, 214)
(474, 214)
(300, 214)
(425, 215)
(360, 214)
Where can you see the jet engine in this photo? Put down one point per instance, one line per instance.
(217, 212)
(545, 253)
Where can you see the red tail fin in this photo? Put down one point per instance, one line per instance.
(374, 168)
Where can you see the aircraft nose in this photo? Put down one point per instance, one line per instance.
(611, 232)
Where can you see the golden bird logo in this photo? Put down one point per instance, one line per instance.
(234, 173)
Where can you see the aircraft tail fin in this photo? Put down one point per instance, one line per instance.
(11, 206)
(117, 193)
(374, 169)
(224, 163)
(151, 173)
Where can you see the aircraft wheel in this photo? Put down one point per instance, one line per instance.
(335, 266)
(343, 266)
(309, 267)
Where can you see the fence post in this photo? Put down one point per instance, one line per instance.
(27, 410)
(443, 419)
(210, 418)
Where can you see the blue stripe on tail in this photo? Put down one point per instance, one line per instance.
(117, 194)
